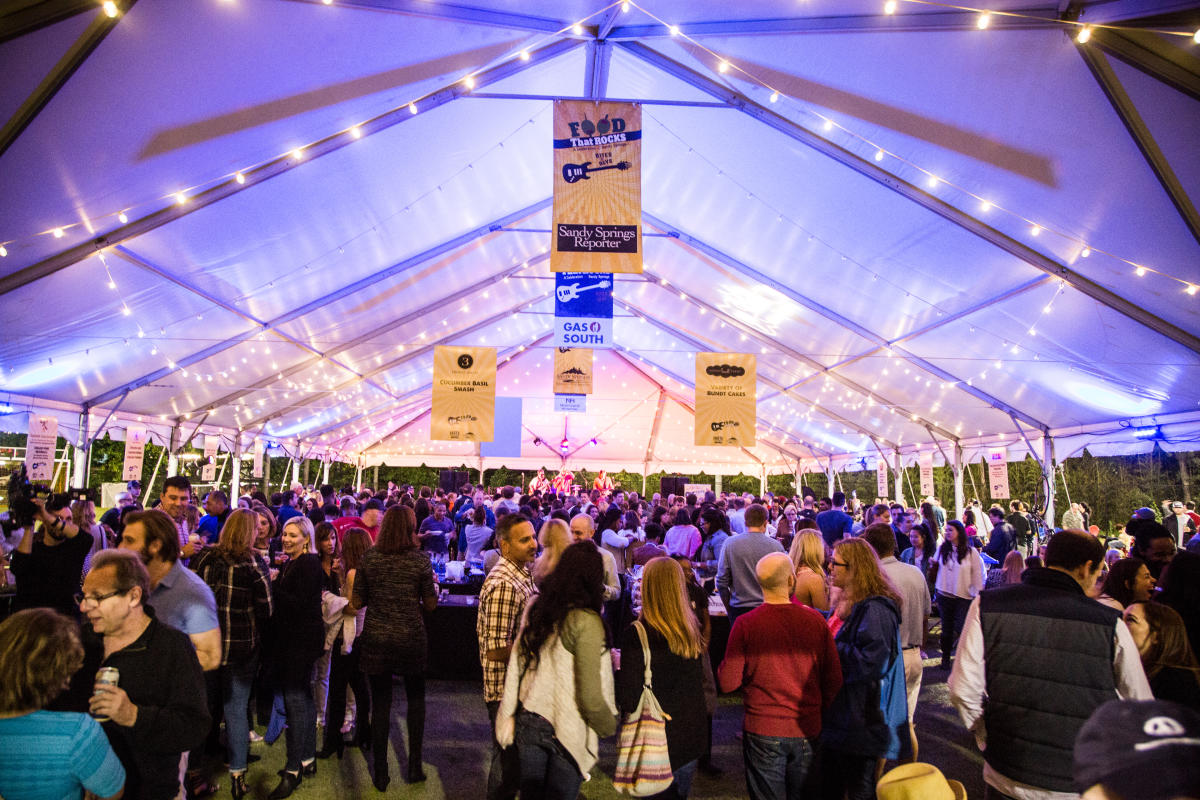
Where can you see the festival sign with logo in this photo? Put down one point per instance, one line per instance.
(208, 473)
(597, 187)
(997, 461)
(464, 394)
(257, 464)
(135, 452)
(572, 370)
(583, 309)
(881, 479)
(40, 447)
(726, 401)
(925, 464)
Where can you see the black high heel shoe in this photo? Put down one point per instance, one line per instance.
(381, 781)
(288, 781)
(237, 785)
(333, 745)
(308, 770)
(415, 773)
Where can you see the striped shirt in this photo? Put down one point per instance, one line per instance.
(501, 602)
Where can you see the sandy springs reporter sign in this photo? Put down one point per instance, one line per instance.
(464, 394)
(725, 399)
(597, 187)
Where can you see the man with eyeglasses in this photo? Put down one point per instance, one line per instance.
(157, 710)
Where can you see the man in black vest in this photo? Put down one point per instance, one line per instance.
(1045, 656)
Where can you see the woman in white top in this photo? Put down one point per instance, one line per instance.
(960, 578)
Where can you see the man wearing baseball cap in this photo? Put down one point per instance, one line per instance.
(1146, 750)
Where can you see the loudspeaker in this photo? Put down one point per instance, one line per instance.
(672, 486)
(451, 481)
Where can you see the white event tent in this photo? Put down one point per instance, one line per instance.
(938, 229)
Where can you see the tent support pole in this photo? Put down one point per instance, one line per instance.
(154, 475)
(957, 466)
(235, 480)
(1048, 475)
(82, 451)
(898, 478)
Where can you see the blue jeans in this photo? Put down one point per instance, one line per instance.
(236, 682)
(776, 766)
(547, 770)
(301, 733)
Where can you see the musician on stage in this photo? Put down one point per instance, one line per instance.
(603, 482)
(563, 481)
(539, 483)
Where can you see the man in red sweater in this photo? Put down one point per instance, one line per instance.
(783, 657)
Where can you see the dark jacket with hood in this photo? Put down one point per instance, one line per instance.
(866, 643)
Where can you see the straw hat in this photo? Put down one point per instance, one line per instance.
(918, 782)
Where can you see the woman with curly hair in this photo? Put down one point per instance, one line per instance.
(48, 754)
(560, 677)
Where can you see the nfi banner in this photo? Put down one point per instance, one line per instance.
(583, 309)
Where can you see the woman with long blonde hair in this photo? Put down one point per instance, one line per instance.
(554, 537)
(855, 733)
(676, 648)
(808, 561)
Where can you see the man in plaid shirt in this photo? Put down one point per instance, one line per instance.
(501, 602)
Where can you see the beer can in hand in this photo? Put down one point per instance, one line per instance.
(108, 676)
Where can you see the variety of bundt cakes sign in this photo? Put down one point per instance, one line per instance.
(726, 403)
(464, 394)
(597, 187)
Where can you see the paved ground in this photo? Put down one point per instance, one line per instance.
(456, 751)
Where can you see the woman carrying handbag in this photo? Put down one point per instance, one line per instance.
(661, 669)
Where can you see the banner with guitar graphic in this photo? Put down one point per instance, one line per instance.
(583, 309)
(572, 370)
(726, 399)
(597, 187)
(464, 394)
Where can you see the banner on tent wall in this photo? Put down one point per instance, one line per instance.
(997, 461)
(135, 452)
(40, 447)
(570, 403)
(208, 473)
(464, 394)
(925, 460)
(257, 470)
(881, 482)
(725, 399)
(597, 187)
(572, 370)
(583, 309)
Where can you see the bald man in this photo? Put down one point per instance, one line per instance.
(583, 529)
(783, 657)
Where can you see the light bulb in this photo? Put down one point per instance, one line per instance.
(889, 7)
(356, 132)
(180, 198)
(1192, 288)
(879, 155)
(240, 178)
(774, 97)
(125, 310)
(412, 108)
(1087, 251)
(122, 217)
(984, 20)
(3, 251)
(524, 55)
(932, 181)
(828, 126)
(625, 7)
(674, 30)
(1141, 272)
(985, 205)
(58, 233)
(1196, 36)
(110, 9)
(723, 66)
(469, 81)
(298, 154)
(1084, 34)
(1035, 230)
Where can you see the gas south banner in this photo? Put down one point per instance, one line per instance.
(572, 370)
(726, 407)
(597, 187)
(583, 309)
(464, 394)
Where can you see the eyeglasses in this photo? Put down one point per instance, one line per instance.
(81, 598)
(836, 563)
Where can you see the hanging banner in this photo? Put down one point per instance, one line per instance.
(997, 461)
(208, 473)
(568, 403)
(881, 481)
(464, 394)
(726, 399)
(583, 309)
(573, 370)
(135, 453)
(257, 470)
(925, 461)
(597, 187)
(40, 447)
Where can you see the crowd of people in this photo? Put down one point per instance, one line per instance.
(142, 645)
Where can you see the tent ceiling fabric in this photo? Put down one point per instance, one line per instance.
(304, 304)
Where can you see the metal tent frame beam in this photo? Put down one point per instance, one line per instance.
(695, 342)
(455, 13)
(33, 16)
(369, 282)
(58, 76)
(833, 316)
(864, 23)
(917, 195)
(277, 166)
(1145, 52)
(1103, 72)
(812, 363)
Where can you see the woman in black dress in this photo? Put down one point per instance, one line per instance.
(299, 639)
(394, 583)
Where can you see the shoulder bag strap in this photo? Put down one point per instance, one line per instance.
(647, 675)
